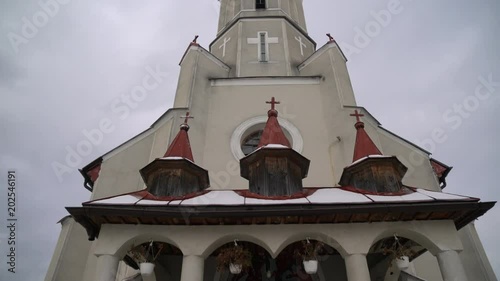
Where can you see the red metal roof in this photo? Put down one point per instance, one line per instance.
(273, 134)
(181, 147)
(364, 145)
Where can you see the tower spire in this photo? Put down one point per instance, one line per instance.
(275, 169)
(176, 174)
(180, 146)
(364, 145)
(273, 134)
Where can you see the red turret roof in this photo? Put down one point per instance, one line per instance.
(181, 147)
(364, 145)
(273, 134)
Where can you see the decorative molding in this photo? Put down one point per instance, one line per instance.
(239, 132)
(267, 81)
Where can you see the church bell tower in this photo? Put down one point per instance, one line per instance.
(262, 37)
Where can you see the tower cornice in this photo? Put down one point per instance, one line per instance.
(240, 19)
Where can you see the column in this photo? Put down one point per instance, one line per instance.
(451, 266)
(107, 266)
(192, 268)
(357, 267)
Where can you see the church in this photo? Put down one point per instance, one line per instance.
(299, 183)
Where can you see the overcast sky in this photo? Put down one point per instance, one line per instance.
(60, 77)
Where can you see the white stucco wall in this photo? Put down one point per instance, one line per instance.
(71, 252)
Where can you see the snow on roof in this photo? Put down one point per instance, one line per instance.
(257, 201)
(367, 157)
(215, 198)
(337, 195)
(272, 145)
(172, 158)
(411, 197)
(331, 195)
(442, 195)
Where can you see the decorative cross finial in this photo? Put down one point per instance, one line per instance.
(357, 115)
(187, 117)
(195, 38)
(330, 37)
(273, 102)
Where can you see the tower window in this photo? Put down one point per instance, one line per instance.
(263, 47)
(260, 4)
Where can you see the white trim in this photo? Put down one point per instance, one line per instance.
(267, 41)
(266, 81)
(193, 79)
(238, 54)
(297, 140)
(153, 146)
(208, 54)
(318, 53)
(286, 48)
(337, 81)
(213, 58)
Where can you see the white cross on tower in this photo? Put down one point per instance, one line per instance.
(263, 41)
(223, 46)
(302, 45)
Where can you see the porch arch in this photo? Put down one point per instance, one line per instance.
(143, 238)
(235, 236)
(418, 236)
(322, 237)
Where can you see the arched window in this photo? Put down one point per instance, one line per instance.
(260, 4)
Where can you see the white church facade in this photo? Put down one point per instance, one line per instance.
(265, 150)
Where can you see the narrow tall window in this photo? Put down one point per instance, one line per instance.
(260, 4)
(263, 47)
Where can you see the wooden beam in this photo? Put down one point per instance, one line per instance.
(386, 217)
(334, 218)
(400, 216)
(350, 218)
(429, 216)
(414, 216)
(370, 217)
